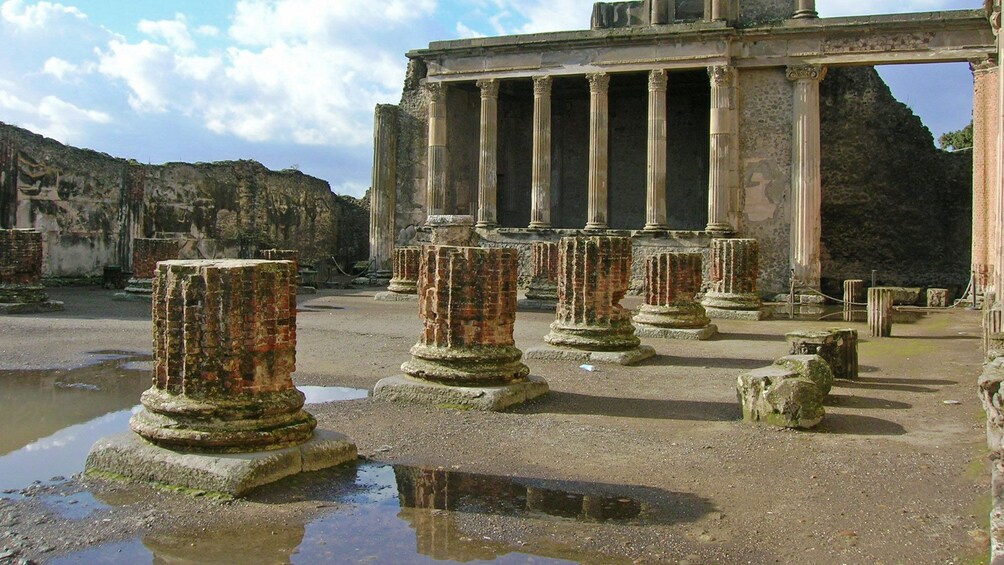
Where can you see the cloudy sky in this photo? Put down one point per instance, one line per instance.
(292, 82)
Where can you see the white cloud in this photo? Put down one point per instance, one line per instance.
(173, 32)
(53, 116)
(11, 102)
(58, 68)
(36, 16)
(835, 8)
(208, 31)
(466, 32)
(144, 67)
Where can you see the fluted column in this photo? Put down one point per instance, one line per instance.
(599, 84)
(540, 215)
(721, 151)
(437, 162)
(488, 162)
(735, 267)
(806, 188)
(998, 182)
(985, 77)
(719, 11)
(806, 9)
(383, 195)
(655, 208)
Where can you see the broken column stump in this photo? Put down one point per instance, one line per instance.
(591, 324)
(403, 286)
(146, 253)
(293, 256)
(854, 290)
(786, 394)
(734, 271)
(938, 298)
(880, 311)
(21, 290)
(991, 394)
(466, 356)
(838, 347)
(671, 310)
(542, 293)
(222, 414)
(845, 366)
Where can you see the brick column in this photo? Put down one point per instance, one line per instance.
(544, 271)
(593, 277)
(435, 203)
(291, 255)
(806, 187)
(540, 214)
(224, 343)
(599, 141)
(734, 272)
(467, 301)
(21, 267)
(655, 208)
(488, 160)
(672, 280)
(406, 264)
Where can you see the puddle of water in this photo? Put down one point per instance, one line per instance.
(321, 394)
(385, 514)
(75, 506)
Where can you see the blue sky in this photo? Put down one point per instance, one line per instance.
(293, 82)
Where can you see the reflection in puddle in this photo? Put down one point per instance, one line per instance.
(384, 514)
(321, 394)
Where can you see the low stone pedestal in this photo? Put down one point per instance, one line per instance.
(838, 347)
(542, 294)
(466, 356)
(880, 311)
(672, 280)
(403, 286)
(938, 298)
(591, 324)
(734, 271)
(779, 396)
(224, 336)
(146, 253)
(21, 290)
(854, 290)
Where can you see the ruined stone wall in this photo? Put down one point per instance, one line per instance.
(765, 100)
(412, 149)
(758, 12)
(891, 200)
(90, 206)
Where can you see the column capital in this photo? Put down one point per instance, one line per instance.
(721, 75)
(978, 66)
(806, 72)
(598, 82)
(657, 80)
(489, 87)
(542, 85)
(437, 91)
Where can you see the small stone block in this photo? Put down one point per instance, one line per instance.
(395, 297)
(629, 357)
(129, 456)
(746, 315)
(937, 298)
(778, 396)
(132, 297)
(537, 305)
(810, 367)
(306, 290)
(31, 307)
(402, 388)
(701, 334)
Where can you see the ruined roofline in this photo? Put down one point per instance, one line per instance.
(919, 21)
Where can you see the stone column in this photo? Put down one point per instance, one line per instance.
(466, 354)
(224, 339)
(438, 155)
(540, 215)
(406, 265)
(488, 161)
(672, 281)
(590, 324)
(599, 140)
(383, 194)
(880, 311)
(21, 290)
(853, 292)
(806, 188)
(544, 275)
(721, 152)
(719, 10)
(146, 253)
(734, 271)
(656, 182)
(985, 104)
(806, 9)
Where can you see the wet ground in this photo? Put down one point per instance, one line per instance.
(640, 464)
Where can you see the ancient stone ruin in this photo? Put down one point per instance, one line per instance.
(671, 309)
(293, 255)
(991, 394)
(403, 284)
(146, 253)
(838, 347)
(466, 355)
(733, 290)
(880, 302)
(591, 324)
(542, 293)
(21, 290)
(788, 394)
(224, 348)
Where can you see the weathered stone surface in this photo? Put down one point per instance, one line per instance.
(734, 268)
(854, 292)
(147, 252)
(780, 396)
(234, 474)
(938, 298)
(991, 396)
(544, 272)
(456, 231)
(880, 311)
(626, 357)
(224, 348)
(845, 365)
(672, 280)
(405, 265)
(402, 388)
(21, 291)
(594, 274)
(811, 367)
